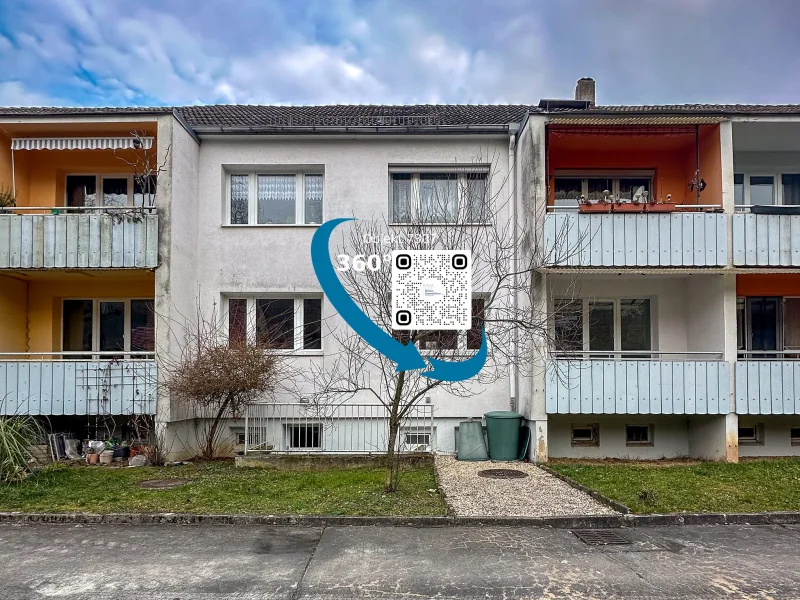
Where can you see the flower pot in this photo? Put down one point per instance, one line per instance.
(660, 207)
(598, 207)
(106, 457)
(92, 459)
(628, 207)
(122, 452)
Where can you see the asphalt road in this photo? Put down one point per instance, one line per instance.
(202, 562)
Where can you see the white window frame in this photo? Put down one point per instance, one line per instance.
(252, 196)
(615, 176)
(585, 304)
(777, 185)
(461, 173)
(756, 440)
(299, 319)
(126, 342)
(406, 431)
(99, 186)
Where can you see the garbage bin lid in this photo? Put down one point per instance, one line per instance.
(503, 414)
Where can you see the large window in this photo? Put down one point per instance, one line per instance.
(108, 326)
(764, 189)
(766, 324)
(288, 323)
(438, 197)
(257, 198)
(596, 325)
(568, 188)
(109, 190)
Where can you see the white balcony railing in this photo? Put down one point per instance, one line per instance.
(633, 383)
(761, 240)
(697, 239)
(345, 429)
(78, 238)
(768, 383)
(74, 383)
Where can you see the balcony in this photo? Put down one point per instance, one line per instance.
(67, 383)
(78, 238)
(768, 383)
(678, 239)
(766, 240)
(693, 383)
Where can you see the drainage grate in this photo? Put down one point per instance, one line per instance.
(162, 484)
(600, 537)
(502, 474)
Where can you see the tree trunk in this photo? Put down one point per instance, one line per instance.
(392, 457)
(208, 452)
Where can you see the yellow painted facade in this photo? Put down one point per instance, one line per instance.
(30, 311)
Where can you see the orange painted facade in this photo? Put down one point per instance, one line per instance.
(671, 156)
(40, 175)
(768, 285)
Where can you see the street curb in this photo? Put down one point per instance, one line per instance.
(577, 522)
(605, 500)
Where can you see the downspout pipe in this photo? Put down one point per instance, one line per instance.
(512, 178)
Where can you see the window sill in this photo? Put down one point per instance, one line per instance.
(270, 225)
(633, 444)
(284, 352)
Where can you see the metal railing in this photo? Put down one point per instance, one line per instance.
(792, 354)
(678, 207)
(56, 210)
(653, 355)
(342, 429)
(78, 383)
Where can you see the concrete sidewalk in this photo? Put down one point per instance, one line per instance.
(210, 562)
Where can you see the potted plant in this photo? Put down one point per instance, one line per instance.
(601, 206)
(661, 206)
(634, 206)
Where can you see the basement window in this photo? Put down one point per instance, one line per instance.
(304, 437)
(585, 435)
(638, 435)
(416, 439)
(795, 436)
(751, 435)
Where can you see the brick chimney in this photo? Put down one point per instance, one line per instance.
(585, 90)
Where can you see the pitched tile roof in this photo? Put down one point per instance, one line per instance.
(717, 109)
(354, 115)
(56, 111)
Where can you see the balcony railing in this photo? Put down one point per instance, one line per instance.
(696, 239)
(638, 383)
(768, 383)
(345, 429)
(77, 383)
(761, 240)
(78, 238)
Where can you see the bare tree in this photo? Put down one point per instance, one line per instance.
(216, 373)
(143, 163)
(440, 214)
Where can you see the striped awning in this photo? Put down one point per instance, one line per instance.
(647, 120)
(80, 143)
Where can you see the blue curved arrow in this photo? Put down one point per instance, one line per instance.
(458, 371)
(406, 356)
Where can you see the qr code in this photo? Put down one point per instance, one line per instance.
(431, 289)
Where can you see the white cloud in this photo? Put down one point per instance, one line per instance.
(14, 93)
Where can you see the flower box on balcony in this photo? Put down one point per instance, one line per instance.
(661, 207)
(628, 207)
(597, 207)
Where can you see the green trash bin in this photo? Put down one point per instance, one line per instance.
(502, 431)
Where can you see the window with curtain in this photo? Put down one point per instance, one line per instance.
(275, 198)
(440, 197)
(282, 323)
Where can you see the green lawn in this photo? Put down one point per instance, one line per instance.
(753, 486)
(219, 487)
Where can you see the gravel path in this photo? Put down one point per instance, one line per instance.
(538, 495)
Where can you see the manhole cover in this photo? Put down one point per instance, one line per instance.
(162, 484)
(600, 537)
(502, 474)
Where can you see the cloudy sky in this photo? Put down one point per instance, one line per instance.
(171, 52)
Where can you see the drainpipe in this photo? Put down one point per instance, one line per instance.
(697, 161)
(512, 177)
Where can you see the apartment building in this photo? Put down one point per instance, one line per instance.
(670, 284)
